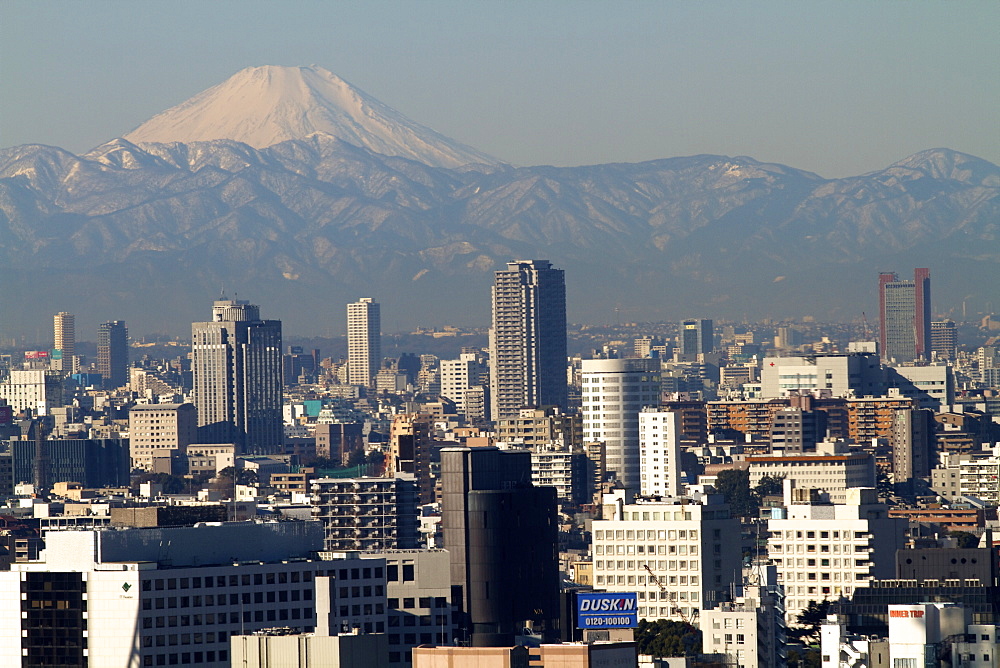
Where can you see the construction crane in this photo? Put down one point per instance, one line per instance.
(674, 609)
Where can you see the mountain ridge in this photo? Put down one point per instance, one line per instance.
(322, 214)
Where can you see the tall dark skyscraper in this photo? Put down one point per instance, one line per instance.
(905, 316)
(237, 369)
(528, 338)
(112, 353)
(694, 337)
(502, 536)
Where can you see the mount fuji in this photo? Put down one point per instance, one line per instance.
(263, 106)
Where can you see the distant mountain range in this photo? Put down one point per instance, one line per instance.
(291, 188)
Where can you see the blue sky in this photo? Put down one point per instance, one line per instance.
(838, 88)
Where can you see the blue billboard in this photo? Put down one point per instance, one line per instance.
(606, 610)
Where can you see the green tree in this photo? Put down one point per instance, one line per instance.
(964, 539)
(809, 621)
(734, 484)
(243, 476)
(666, 638)
(172, 484)
(769, 485)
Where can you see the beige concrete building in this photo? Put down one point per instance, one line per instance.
(160, 430)
(264, 650)
(564, 655)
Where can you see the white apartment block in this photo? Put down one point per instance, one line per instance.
(560, 467)
(660, 453)
(822, 550)
(687, 545)
(158, 430)
(614, 392)
(968, 475)
(833, 468)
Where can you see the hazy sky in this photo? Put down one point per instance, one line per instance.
(838, 88)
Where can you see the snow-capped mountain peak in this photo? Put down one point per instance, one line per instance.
(263, 106)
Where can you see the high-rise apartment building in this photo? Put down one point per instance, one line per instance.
(364, 341)
(905, 316)
(694, 337)
(236, 365)
(944, 339)
(64, 331)
(614, 391)
(528, 338)
(112, 353)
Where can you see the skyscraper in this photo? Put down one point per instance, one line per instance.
(905, 316)
(694, 337)
(364, 341)
(64, 333)
(528, 338)
(236, 365)
(502, 535)
(112, 353)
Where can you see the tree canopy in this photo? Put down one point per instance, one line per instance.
(666, 638)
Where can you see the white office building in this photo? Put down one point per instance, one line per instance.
(36, 389)
(842, 375)
(932, 386)
(679, 555)
(660, 453)
(824, 551)
(922, 634)
(614, 392)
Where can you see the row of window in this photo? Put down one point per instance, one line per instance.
(647, 549)
(422, 602)
(184, 658)
(245, 580)
(642, 534)
(175, 621)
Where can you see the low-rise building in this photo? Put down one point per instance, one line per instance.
(834, 468)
